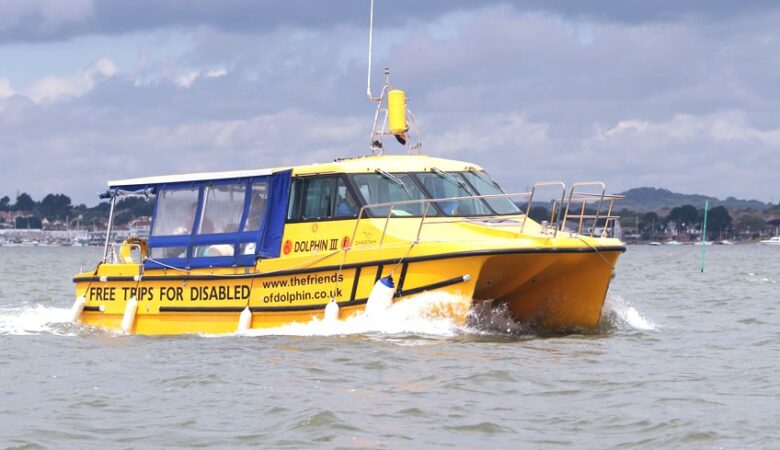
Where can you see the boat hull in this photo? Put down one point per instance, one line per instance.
(553, 292)
(550, 289)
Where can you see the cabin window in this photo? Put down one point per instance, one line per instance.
(318, 198)
(176, 211)
(222, 209)
(346, 205)
(486, 186)
(210, 250)
(321, 198)
(257, 199)
(385, 188)
(447, 185)
(168, 252)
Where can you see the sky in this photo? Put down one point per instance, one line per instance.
(679, 95)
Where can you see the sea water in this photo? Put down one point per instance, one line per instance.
(682, 359)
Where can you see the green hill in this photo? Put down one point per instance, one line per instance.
(652, 199)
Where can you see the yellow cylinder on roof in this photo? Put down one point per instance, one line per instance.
(396, 111)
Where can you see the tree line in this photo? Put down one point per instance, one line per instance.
(688, 219)
(679, 220)
(59, 208)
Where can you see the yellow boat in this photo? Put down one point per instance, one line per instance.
(232, 251)
(279, 245)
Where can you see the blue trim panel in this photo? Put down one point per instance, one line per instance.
(272, 229)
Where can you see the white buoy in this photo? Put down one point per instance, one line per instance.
(77, 308)
(129, 316)
(245, 320)
(332, 311)
(381, 296)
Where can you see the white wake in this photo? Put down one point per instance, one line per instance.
(429, 314)
(435, 314)
(33, 320)
(619, 313)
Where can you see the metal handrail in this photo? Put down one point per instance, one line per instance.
(552, 211)
(557, 210)
(427, 202)
(586, 197)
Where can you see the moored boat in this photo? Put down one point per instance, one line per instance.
(771, 241)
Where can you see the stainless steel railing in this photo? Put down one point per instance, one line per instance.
(585, 218)
(426, 204)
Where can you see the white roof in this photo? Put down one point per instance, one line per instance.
(202, 176)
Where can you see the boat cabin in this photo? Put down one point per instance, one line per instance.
(230, 219)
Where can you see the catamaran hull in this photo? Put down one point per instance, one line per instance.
(552, 290)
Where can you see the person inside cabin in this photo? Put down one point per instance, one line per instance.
(256, 209)
(185, 227)
(345, 206)
(450, 207)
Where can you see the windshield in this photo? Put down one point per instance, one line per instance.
(383, 187)
(441, 184)
(486, 186)
(379, 188)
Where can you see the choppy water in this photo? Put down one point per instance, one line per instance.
(684, 360)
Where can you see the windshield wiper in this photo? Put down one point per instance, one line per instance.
(395, 180)
(451, 177)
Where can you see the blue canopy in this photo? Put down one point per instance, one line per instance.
(248, 245)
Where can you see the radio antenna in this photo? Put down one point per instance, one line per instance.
(370, 47)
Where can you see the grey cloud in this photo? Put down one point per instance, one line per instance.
(122, 16)
(51, 20)
(523, 94)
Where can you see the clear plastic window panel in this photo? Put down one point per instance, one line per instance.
(176, 210)
(247, 248)
(486, 186)
(447, 185)
(213, 250)
(168, 252)
(377, 188)
(258, 199)
(222, 209)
